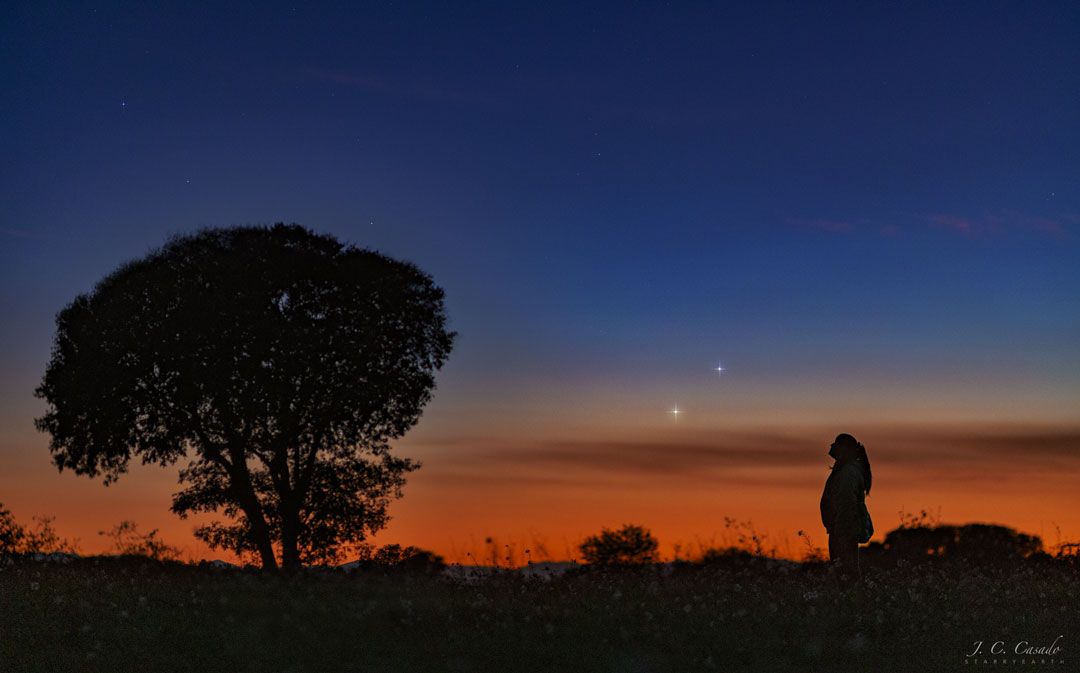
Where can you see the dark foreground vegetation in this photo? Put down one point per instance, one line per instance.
(733, 612)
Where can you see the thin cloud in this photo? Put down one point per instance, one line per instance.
(952, 222)
(1059, 448)
(844, 227)
(1047, 226)
(761, 460)
(656, 458)
(831, 226)
(1059, 228)
(1051, 228)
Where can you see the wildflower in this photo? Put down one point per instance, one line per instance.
(813, 649)
(857, 642)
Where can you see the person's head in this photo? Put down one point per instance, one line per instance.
(847, 449)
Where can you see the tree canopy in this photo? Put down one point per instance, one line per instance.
(278, 362)
(630, 545)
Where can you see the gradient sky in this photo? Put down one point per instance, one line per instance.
(867, 212)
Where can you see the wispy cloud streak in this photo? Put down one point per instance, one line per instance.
(952, 222)
(831, 226)
(768, 459)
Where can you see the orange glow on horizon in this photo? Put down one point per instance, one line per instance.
(546, 495)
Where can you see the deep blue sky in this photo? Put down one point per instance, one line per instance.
(866, 211)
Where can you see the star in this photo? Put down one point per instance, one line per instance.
(675, 412)
(719, 369)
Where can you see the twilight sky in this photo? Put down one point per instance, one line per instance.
(867, 213)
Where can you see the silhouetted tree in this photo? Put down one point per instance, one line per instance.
(12, 535)
(630, 545)
(919, 541)
(396, 557)
(41, 539)
(993, 542)
(128, 541)
(972, 543)
(278, 361)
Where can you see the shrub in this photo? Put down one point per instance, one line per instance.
(725, 556)
(11, 533)
(396, 557)
(973, 542)
(630, 545)
(128, 541)
(42, 539)
(407, 557)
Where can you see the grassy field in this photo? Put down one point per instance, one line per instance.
(752, 614)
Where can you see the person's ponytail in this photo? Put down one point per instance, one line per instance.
(865, 465)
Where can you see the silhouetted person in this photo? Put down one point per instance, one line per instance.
(843, 505)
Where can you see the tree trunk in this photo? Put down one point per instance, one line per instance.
(290, 534)
(249, 502)
(261, 532)
(289, 539)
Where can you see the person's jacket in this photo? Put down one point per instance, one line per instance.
(843, 504)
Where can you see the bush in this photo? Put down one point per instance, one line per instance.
(396, 557)
(12, 534)
(43, 539)
(630, 545)
(410, 558)
(128, 541)
(973, 543)
(726, 556)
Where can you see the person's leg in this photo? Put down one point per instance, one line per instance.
(844, 554)
(849, 557)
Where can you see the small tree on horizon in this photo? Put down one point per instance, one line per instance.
(12, 534)
(41, 539)
(128, 541)
(277, 361)
(630, 545)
